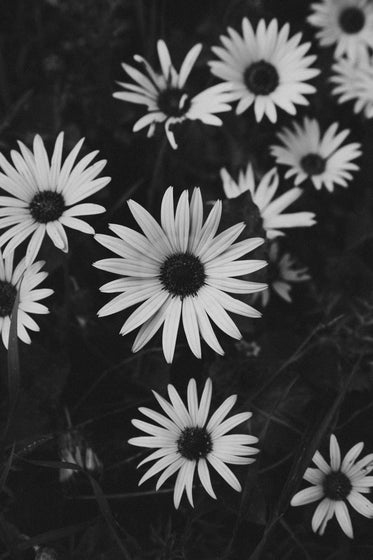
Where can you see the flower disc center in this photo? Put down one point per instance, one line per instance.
(337, 486)
(182, 274)
(352, 20)
(194, 443)
(261, 78)
(47, 206)
(313, 164)
(8, 294)
(173, 102)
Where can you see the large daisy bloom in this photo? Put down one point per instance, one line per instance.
(166, 97)
(45, 195)
(185, 441)
(354, 82)
(335, 484)
(347, 24)
(271, 210)
(179, 271)
(24, 280)
(265, 68)
(319, 157)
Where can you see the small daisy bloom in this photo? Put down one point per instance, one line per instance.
(283, 272)
(45, 195)
(185, 441)
(271, 211)
(334, 484)
(24, 280)
(320, 158)
(180, 270)
(347, 24)
(74, 449)
(265, 68)
(166, 96)
(354, 82)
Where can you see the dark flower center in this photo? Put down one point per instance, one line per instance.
(8, 294)
(273, 272)
(352, 20)
(194, 443)
(261, 78)
(337, 485)
(173, 102)
(182, 274)
(313, 164)
(47, 206)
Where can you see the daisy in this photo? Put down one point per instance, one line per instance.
(24, 280)
(334, 484)
(347, 24)
(283, 272)
(320, 158)
(45, 195)
(354, 82)
(271, 211)
(74, 449)
(265, 68)
(185, 441)
(180, 270)
(166, 97)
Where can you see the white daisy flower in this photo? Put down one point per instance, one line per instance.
(320, 158)
(180, 270)
(74, 449)
(24, 280)
(334, 484)
(45, 195)
(347, 24)
(354, 82)
(271, 211)
(265, 68)
(283, 272)
(185, 441)
(166, 96)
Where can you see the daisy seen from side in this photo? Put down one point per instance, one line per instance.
(186, 441)
(21, 280)
(347, 24)
(167, 97)
(336, 485)
(263, 192)
(321, 158)
(179, 271)
(46, 196)
(265, 68)
(354, 82)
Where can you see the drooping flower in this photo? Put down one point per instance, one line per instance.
(347, 24)
(283, 272)
(271, 211)
(265, 68)
(334, 484)
(185, 441)
(74, 449)
(179, 270)
(45, 195)
(354, 82)
(24, 280)
(166, 96)
(321, 158)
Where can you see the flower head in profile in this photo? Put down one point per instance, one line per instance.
(341, 482)
(283, 272)
(265, 68)
(45, 195)
(347, 24)
(22, 280)
(271, 211)
(166, 96)
(321, 158)
(179, 271)
(74, 449)
(185, 441)
(354, 82)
